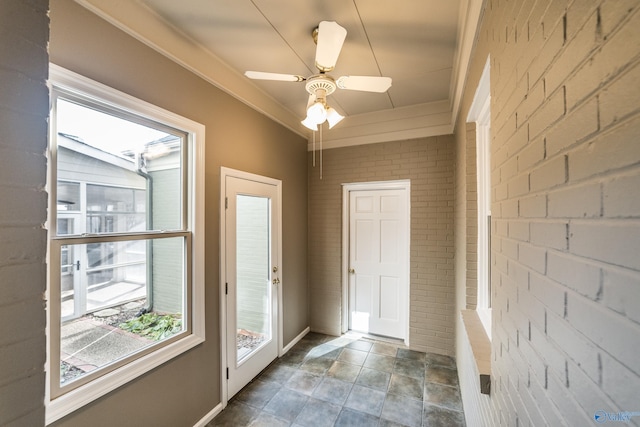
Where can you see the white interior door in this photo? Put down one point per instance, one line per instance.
(378, 262)
(252, 277)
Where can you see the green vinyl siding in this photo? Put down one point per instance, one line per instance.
(252, 251)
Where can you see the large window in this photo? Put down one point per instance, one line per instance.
(126, 284)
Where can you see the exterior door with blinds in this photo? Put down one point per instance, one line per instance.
(252, 232)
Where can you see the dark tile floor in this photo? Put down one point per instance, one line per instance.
(350, 381)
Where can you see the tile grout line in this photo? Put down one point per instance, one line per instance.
(303, 350)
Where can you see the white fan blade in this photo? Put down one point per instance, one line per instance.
(364, 83)
(259, 75)
(330, 39)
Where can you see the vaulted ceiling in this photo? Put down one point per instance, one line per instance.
(423, 45)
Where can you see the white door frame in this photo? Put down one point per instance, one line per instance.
(224, 173)
(376, 185)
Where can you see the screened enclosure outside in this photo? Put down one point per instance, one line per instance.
(120, 236)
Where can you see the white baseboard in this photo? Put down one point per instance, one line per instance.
(295, 340)
(210, 416)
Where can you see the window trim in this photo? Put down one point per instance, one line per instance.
(70, 82)
(480, 113)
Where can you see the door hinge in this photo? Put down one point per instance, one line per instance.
(226, 289)
(227, 373)
(226, 203)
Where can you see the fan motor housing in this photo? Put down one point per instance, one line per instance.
(320, 81)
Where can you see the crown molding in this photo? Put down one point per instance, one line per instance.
(145, 25)
(142, 23)
(468, 25)
(398, 124)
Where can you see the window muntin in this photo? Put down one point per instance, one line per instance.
(123, 211)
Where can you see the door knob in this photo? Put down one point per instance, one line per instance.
(276, 281)
(352, 271)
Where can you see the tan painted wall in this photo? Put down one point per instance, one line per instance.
(565, 191)
(183, 390)
(428, 163)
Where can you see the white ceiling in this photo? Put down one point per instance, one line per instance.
(423, 45)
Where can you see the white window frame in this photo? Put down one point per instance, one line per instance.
(64, 80)
(480, 113)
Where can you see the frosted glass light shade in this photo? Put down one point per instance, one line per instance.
(333, 117)
(310, 124)
(317, 113)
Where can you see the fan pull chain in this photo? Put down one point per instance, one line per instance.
(321, 151)
(314, 149)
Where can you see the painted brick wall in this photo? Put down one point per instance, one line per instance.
(428, 163)
(24, 101)
(565, 124)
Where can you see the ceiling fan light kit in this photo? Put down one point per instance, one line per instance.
(329, 38)
(318, 111)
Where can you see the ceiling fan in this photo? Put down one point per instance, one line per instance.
(329, 38)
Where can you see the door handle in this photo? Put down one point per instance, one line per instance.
(352, 271)
(276, 281)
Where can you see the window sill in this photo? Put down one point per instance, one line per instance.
(76, 399)
(481, 347)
